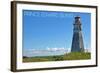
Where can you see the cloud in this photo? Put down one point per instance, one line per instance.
(56, 49)
(87, 50)
(44, 52)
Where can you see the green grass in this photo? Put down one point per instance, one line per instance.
(69, 56)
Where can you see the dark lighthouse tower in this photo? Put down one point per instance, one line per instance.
(77, 41)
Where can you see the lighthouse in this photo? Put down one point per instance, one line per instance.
(77, 40)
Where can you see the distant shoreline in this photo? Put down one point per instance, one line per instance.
(69, 56)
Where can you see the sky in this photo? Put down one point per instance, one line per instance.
(49, 32)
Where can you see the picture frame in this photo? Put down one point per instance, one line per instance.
(55, 17)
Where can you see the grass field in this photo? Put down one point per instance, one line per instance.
(69, 56)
